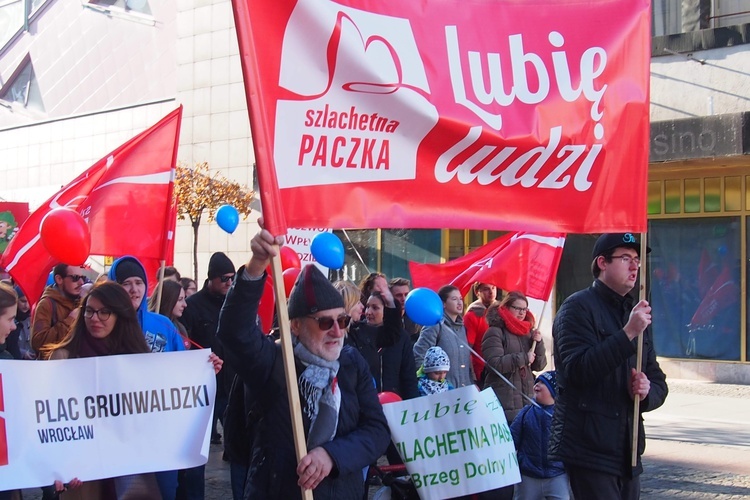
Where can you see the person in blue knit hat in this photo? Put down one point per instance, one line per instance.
(431, 375)
(540, 477)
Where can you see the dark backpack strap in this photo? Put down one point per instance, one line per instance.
(53, 305)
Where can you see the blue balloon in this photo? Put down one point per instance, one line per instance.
(328, 250)
(424, 307)
(228, 218)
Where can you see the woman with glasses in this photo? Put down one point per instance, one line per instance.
(450, 334)
(507, 349)
(107, 325)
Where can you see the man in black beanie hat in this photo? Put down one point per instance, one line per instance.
(201, 317)
(344, 423)
(595, 334)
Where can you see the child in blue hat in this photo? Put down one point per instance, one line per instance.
(540, 477)
(431, 375)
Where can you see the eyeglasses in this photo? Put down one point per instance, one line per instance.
(75, 277)
(326, 323)
(102, 314)
(224, 279)
(519, 309)
(627, 259)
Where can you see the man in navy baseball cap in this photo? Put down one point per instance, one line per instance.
(594, 333)
(609, 241)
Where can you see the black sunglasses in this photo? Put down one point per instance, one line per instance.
(224, 279)
(76, 277)
(326, 323)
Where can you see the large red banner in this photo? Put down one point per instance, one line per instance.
(501, 114)
(127, 200)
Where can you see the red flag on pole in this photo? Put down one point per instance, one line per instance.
(516, 261)
(126, 199)
(389, 108)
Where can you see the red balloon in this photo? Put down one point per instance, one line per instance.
(388, 397)
(66, 236)
(289, 259)
(267, 305)
(290, 276)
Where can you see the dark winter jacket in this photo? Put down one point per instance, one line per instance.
(362, 434)
(368, 340)
(530, 430)
(399, 372)
(593, 422)
(201, 316)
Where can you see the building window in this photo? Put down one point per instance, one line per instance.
(360, 254)
(22, 88)
(671, 17)
(140, 6)
(695, 287)
(11, 19)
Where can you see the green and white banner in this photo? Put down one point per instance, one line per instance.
(454, 443)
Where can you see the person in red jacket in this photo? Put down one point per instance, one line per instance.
(476, 324)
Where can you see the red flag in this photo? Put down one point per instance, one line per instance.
(126, 199)
(516, 261)
(389, 108)
(152, 265)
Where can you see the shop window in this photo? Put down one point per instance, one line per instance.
(388, 251)
(360, 255)
(712, 196)
(456, 243)
(695, 287)
(399, 246)
(654, 197)
(692, 196)
(672, 196)
(733, 194)
(574, 272)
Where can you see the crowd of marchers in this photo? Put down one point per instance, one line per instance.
(572, 427)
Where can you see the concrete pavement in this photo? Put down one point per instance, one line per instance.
(698, 444)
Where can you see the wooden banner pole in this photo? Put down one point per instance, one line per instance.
(639, 355)
(290, 371)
